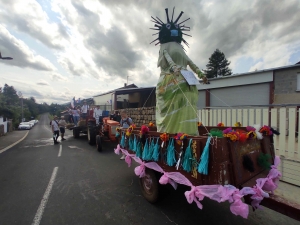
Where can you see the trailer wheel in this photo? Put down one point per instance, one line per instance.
(91, 135)
(76, 133)
(150, 186)
(98, 143)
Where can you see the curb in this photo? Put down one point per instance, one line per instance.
(17, 142)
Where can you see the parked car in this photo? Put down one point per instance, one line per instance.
(24, 126)
(32, 122)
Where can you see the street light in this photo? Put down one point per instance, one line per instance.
(21, 96)
(5, 58)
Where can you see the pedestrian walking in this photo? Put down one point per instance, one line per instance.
(55, 129)
(62, 125)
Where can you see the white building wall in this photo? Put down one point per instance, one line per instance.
(4, 123)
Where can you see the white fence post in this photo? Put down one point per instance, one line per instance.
(282, 130)
(265, 117)
(291, 132)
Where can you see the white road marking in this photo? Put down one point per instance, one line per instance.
(8, 147)
(48, 128)
(60, 149)
(40, 211)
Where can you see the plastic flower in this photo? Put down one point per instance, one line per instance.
(227, 130)
(243, 137)
(237, 124)
(129, 131)
(151, 124)
(265, 130)
(220, 124)
(164, 137)
(144, 129)
(233, 136)
(179, 137)
(251, 135)
(249, 128)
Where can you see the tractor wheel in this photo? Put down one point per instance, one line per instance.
(76, 133)
(91, 135)
(150, 186)
(98, 143)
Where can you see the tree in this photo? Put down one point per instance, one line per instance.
(217, 65)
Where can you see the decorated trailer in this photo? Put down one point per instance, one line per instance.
(237, 165)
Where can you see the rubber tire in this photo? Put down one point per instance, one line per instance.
(150, 186)
(91, 135)
(76, 133)
(98, 143)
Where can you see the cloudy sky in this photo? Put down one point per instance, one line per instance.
(80, 48)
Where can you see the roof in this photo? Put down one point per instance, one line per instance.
(125, 87)
(257, 71)
(132, 90)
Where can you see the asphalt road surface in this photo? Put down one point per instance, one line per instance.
(72, 183)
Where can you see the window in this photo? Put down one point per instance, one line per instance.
(298, 81)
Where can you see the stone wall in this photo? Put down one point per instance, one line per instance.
(285, 85)
(142, 116)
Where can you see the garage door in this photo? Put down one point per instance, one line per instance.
(256, 94)
(201, 100)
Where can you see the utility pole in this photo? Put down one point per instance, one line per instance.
(21, 96)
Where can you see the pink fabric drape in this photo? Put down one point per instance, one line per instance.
(217, 193)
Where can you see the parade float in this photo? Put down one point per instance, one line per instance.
(235, 164)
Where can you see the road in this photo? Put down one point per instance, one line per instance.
(72, 183)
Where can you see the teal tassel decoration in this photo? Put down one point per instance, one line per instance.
(171, 153)
(122, 142)
(145, 151)
(155, 154)
(138, 152)
(134, 144)
(130, 143)
(187, 159)
(203, 165)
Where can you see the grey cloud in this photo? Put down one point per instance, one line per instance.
(22, 55)
(42, 83)
(30, 20)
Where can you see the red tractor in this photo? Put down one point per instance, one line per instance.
(96, 133)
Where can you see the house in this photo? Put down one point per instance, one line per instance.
(273, 86)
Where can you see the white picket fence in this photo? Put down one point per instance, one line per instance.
(283, 119)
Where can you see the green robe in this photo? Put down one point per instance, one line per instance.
(176, 101)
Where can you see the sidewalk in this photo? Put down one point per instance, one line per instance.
(11, 138)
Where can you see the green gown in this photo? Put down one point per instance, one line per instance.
(176, 101)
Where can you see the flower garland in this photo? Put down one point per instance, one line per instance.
(250, 134)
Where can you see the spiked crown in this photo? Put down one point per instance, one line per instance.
(170, 31)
